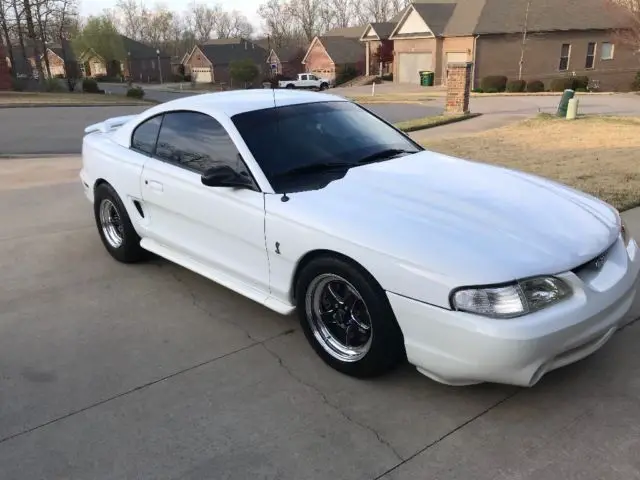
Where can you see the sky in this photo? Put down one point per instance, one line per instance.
(247, 7)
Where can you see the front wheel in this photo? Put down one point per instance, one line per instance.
(347, 319)
(323, 86)
(114, 226)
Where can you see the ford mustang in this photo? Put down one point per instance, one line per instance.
(388, 252)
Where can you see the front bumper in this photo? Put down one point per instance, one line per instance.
(458, 348)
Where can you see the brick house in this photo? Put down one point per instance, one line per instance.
(378, 47)
(57, 55)
(287, 60)
(565, 37)
(140, 62)
(210, 62)
(331, 55)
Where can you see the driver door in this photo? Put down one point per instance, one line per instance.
(222, 228)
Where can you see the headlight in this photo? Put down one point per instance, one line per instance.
(624, 232)
(513, 300)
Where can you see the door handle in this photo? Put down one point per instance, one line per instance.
(153, 185)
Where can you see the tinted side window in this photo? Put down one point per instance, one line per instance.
(145, 135)
(197, 142)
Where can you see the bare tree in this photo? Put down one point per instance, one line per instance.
(32, 34)
(525, 31)
(6, 25)
(374, 11)
(278, 22)
(133, 14)
(627, 13)
(205, 20)
(232, 25)
(342, 13)
(308, 14)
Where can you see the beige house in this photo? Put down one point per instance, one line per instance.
(564, 37)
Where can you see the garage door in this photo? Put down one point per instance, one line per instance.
(453, 57)
(201, 74)
(409, 64)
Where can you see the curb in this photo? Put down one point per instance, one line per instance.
(446, 121)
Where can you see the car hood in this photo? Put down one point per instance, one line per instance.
(476, 222)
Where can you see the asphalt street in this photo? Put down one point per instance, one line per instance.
(148, 371)
(59, 130)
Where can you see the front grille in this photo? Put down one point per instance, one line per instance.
(595, 263)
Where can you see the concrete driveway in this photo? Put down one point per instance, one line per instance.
(149, 371)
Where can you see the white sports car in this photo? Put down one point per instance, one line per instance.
(306, 201)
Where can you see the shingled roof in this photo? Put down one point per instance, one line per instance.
(483, 17)
(347, 32)
(225, 51)
(343, 50)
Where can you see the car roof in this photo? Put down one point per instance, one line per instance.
(241, 101)
(226, 103)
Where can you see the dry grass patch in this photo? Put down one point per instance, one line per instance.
(598, 155)
(66, 98)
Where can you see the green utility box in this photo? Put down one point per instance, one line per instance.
(564, 103)
(426, 78)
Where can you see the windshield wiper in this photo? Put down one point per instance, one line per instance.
(384, 155)
(315, 168)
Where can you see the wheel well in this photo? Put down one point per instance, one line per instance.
(314, 254)
(99, 182)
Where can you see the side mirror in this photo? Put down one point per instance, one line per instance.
(225, 176)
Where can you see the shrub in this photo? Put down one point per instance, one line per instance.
(187, 78)
(18, 85)
(516, 86)
(535, 86)
(89, 85)
(582, 90)
(580, 83)
(635, 86)
(491, 90)
(477, 90)
(53, 85)
(561, 84)
(136, 92)
(388, 77)
(497, 82)
(348, 73)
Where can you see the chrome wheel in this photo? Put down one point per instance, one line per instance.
(111, 223)
(338, 317)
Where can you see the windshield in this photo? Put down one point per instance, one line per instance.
(298, 140)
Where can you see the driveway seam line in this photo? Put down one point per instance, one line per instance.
(448, 434)
(139, 387)
(324, 399)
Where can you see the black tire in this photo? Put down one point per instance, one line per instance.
(323, 86)
(129, 250)
(386, 348)
(291, 86)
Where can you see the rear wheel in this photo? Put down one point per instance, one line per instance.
(114, 226)
(290, 86)
(347, 319)
(323, 86)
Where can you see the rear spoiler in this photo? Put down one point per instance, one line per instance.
(109, 124)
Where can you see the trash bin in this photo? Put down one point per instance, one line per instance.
(564, 103)
(426, 78)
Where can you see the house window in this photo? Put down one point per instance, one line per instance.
(565, 51)
(606, 51)
(591, 55)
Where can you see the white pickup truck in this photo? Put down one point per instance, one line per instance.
(307, 81)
